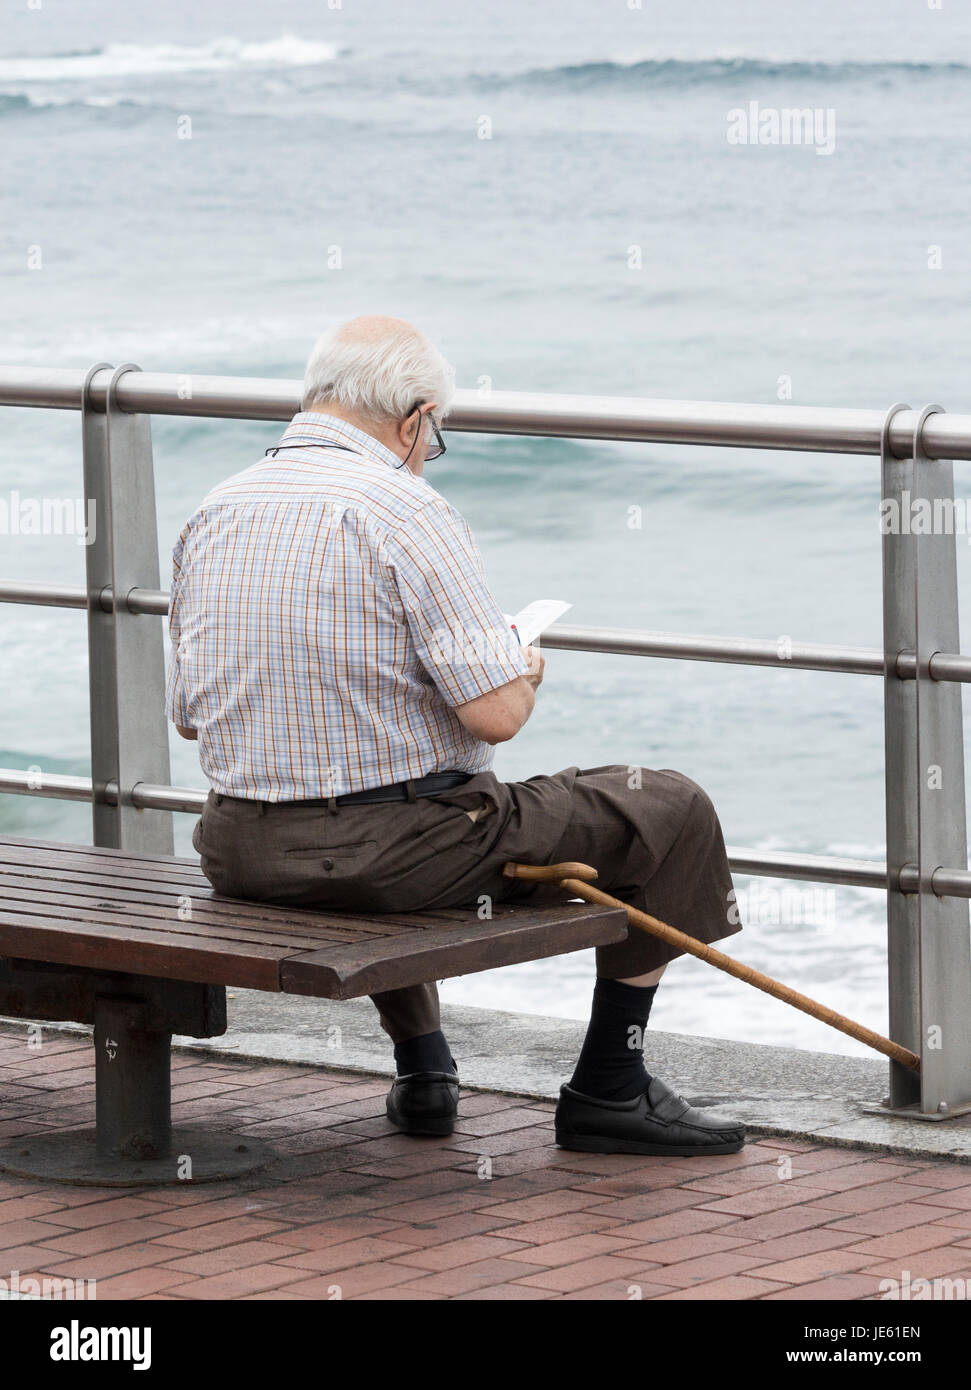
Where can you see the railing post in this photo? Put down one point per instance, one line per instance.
(129, 737)
(928, 936)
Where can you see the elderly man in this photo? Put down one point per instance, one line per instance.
(349, 747)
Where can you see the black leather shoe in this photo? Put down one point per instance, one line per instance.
(424, 1102)
(658, 1121)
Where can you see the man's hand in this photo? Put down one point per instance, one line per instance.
(537, 665)
(187, 733)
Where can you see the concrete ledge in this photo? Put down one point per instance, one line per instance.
(778, 1091)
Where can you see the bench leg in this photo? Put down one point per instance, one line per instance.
(133, 1143)
(133, 1081)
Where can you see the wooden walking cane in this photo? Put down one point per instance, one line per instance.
(569, 876)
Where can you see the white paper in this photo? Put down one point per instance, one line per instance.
(536, 617)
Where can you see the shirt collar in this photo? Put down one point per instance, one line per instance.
(316, 427)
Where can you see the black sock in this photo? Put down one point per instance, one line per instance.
(430, 1052)
(611, 1061)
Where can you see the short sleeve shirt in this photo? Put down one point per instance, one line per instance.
(329, 610)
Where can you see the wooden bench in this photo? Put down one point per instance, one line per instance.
(141, 947)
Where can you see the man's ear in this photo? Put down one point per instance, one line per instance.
(407, 428)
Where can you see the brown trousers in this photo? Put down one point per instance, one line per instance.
(653, 836)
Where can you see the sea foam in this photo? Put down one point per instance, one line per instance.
(124, 60)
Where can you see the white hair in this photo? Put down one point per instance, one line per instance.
(378, 368)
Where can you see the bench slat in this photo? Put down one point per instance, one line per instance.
(51, 901)
(438, 952)
(207, 909)
(138, 916)
(56, 847)
(247, 910)
(170, 955)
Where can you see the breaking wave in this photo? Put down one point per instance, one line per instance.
(125, 60)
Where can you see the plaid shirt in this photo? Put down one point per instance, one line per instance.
(328, 611)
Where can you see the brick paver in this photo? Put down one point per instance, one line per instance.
(351, 1208)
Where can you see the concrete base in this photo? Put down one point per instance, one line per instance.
(69, 1156)
(780, 1091)
(910, 1112)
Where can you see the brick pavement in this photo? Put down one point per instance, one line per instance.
(352, 1209)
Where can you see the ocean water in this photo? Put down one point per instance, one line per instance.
(607, 238)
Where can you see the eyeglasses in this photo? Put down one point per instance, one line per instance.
(435, 450)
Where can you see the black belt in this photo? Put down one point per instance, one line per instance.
(397, 791)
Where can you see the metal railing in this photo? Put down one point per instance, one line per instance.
(926, 875)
